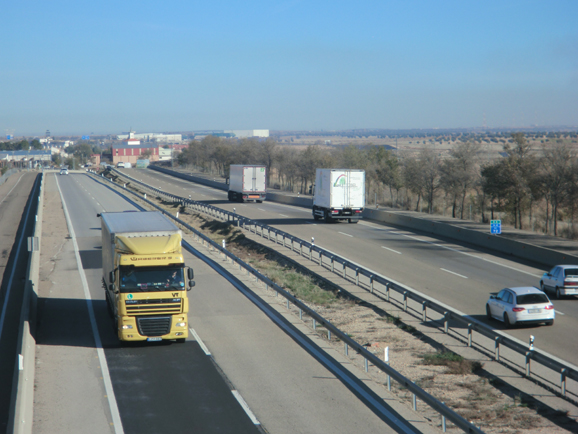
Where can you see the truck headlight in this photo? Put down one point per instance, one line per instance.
(126, 327)
(181, 324)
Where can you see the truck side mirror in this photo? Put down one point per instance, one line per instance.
(190, 273)
(111, 277)
(191, 284)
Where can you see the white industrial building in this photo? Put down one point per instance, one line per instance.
(151, 137)
(243, 134)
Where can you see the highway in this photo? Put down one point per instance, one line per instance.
(173, 387)
(461, 276)
(16, 213)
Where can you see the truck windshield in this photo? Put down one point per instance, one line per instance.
(144, 279)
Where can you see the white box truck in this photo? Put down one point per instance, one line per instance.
(247, 182)
(339, 194)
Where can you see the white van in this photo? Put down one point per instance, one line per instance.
(120, 165)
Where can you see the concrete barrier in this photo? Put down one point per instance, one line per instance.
(22, 402)
(518, 249)
(530, 252)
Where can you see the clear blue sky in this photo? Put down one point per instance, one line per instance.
(77, 67)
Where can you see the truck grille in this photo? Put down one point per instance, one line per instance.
(153, 325)
(154, 305)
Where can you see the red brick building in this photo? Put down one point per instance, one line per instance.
(129, 153)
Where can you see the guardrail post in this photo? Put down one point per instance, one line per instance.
(405, 301)
(414, 402)
(283, 240)
(366, 365)
(301, 314)
(345, 270)
(529, 355)
(333, 264)
(387, 291)
(371, 284)
(320, 258)
(287, 304)
(346, 349)
(357, 276)
(300, 248)
(446, 321)
(470, 328)
(314, 324)
(563, 380)
(497, 347)
(423, 311)
(310, 252)
(328, 335)
(443, 420)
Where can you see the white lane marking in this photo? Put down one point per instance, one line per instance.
(241, 401)
(261, 209)
(391, 250)
(451, 272)
(20, 243)
(343, 233)
(558, 312)
(8, 194)
(473, 256)
(200, 342)
(283, 215)
(115, 414)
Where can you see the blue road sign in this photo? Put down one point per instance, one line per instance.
(85, 137)
(8, 137)
(496, 226)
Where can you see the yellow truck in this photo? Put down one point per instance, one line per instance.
(144, 276)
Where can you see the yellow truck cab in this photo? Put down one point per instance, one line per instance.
(144, 276)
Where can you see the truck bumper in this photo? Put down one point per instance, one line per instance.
(153, 328)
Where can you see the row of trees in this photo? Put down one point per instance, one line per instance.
(526, 185)
(22, 145)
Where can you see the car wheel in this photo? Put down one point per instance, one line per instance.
(558, 294)
(488, 312)
(542, 288)
(327, 217)
(507, 321)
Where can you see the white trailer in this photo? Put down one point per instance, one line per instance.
(247, 182)
(339, 194)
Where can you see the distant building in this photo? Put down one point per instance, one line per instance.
(244, 134)
(129, 153)
(151, 137)
(32, 157)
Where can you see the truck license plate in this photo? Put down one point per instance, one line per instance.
(154, 339)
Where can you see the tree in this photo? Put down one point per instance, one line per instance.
(36, 144)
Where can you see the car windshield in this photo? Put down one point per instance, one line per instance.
(532, 299)
(145, 279)
(571, 272)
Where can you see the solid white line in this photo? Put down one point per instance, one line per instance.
(245, 407)
(7, 296)
(343, 233)
(558, 312)
(8, 194)
(200, 342)
(115, 414)
(391, 250)
(261, 209)
(451, 272)
(473, 256)
(283, 215)
(309, 223)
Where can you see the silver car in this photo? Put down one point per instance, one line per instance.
(64, 171)
(562, 280)
(518, 305)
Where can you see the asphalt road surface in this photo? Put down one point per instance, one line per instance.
(177, 387)
(15, 205)
(462, 276)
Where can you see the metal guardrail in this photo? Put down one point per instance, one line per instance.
(565, 370)
(418, 392)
